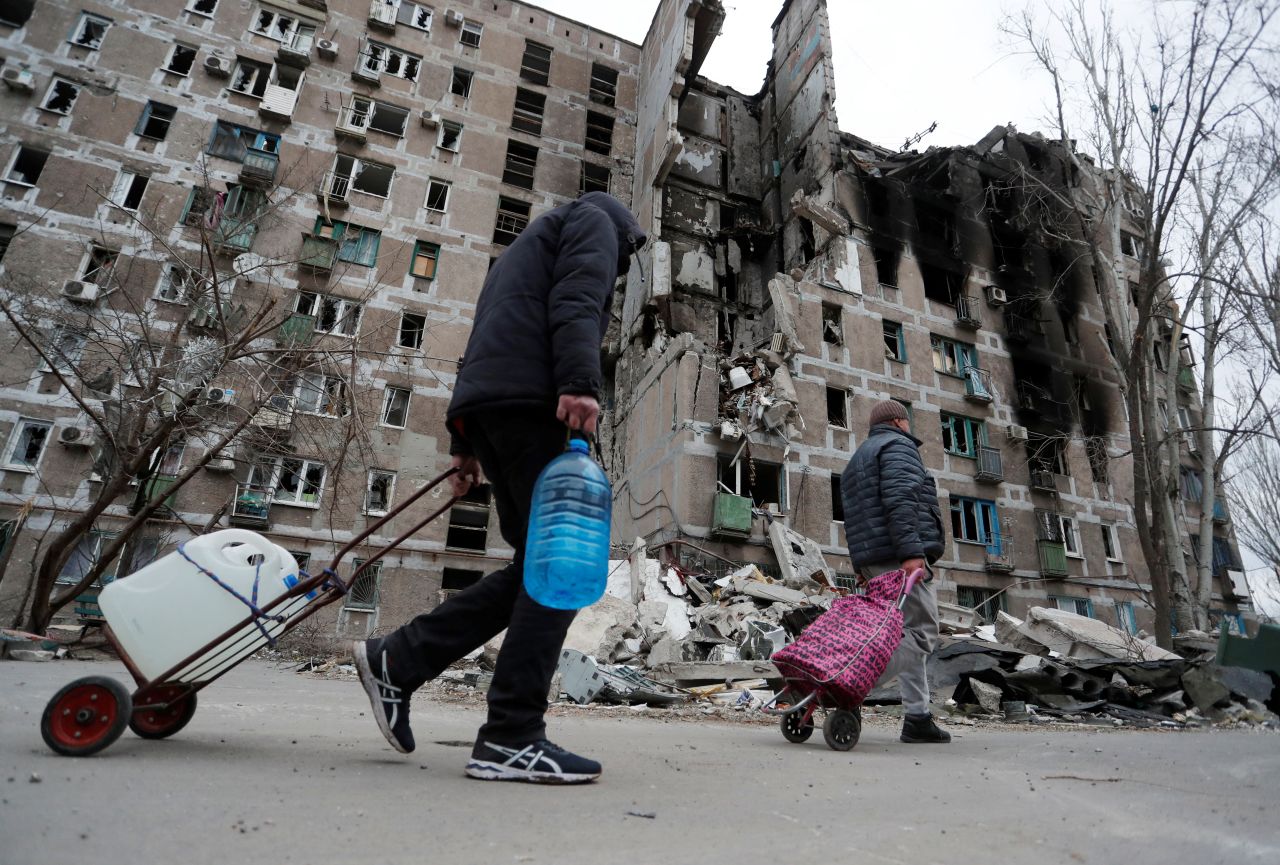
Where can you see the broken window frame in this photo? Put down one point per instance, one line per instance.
(356, 244)
(976, 521)
(387, 111)
(1099, 460)
(65, 348)
(1046, 453)
(520, 165)
(593, 178)
(512, 218)
(250, 77)
(321, 394)
(232, 141)
(85, 557)
(951, 356)
(469, 520)
(325, 308)
(832, 318)
(51, 94)
(886, 266)
(309, 476)
(177, 284)
(1072, 604)
(1190, 484)
(172, 66)
(100, 265)
(529, 111)
(128, 190)
(7, 231)
(426, 259)
(603, 88)
(1126, 619)
(534, 66)
(461, 81)
(1130, 245)
(29, 153)
(437, 191)
(412, 331)
(893, 330)
(984, 601)
(1111, 542)
(378, 58)
(211, 6)
(1071, 536)
(962, 436)
(599, 135)
(471, 33)
(838, 399)
(740, 472)
(153, 123)
(366, 589)
(356, 169)
(449, 128)
(376, 477)
(38, 435)
(392, 404)
(84, 25)
(412, 15)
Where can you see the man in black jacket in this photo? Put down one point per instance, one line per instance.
(531, 368)
(891, 521)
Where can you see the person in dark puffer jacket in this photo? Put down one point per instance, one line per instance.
(892, 520)
(531, 369)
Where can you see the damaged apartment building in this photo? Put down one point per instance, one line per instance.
(803, 274)
(796, 274)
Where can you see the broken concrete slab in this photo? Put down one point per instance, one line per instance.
(772, 592)
(598, 630)
(799, 558)
(1204, 690)
(1245, 683)
(730, 671)
(988, 696)
(1013, 633)
(584, 679)
(1077, 636)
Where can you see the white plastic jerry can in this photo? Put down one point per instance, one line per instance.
(171, 608)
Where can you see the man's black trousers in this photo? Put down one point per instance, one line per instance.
(513, 447)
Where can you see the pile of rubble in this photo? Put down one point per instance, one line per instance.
(757, 394)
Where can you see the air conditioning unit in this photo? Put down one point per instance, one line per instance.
(429, 118)
(453, 18)
(20, 80)
(327, 48)
(80, 291)
(996, 295)
(1016, 433)
(219, 67)
(75, 437)
(219, 395)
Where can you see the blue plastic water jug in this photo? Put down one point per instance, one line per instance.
(566, 556)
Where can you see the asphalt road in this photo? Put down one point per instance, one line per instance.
(282, 767)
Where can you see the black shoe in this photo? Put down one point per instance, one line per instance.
(539, 762)
(917, 729)
(390, 702)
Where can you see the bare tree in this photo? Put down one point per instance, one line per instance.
(1159, 120)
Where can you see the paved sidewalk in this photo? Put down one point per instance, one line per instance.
(282, 767)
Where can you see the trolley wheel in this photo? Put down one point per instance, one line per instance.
(86, 716)
(841, 729)
(795, 727)
(150, 722)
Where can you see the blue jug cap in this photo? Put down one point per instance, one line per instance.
(580, 446)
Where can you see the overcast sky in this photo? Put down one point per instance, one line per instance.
(899, 66)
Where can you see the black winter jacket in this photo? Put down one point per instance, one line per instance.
(891, 508)
(543, 311)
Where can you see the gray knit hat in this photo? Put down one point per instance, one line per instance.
(887, 410)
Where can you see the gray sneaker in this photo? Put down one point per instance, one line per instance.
(390, 702)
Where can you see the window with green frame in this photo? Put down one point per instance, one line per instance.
(952, 357)
(426, 258)
(962, 435)
(356, 244)
(976, 521)
(230, 141)
(895, 345)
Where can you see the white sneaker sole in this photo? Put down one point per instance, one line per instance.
(370, 683)
(486, 771)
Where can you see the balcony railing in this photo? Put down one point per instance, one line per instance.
(234, 235)
(967, 311)
(1186, 378)
(999, 555)
(276, 414)
(977, 385)
(318, 253)
(353, 122)
(1017, 328)
(731, 515)
(278, 102)
(990, 469)
(1053, 558)
(251, 507)
(259, 167)
(296, 51)
(333, 189)
(1043, 479)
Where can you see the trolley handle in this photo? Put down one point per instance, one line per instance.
(916, 576)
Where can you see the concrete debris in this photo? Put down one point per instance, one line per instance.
(800, 558)
(1076, 636)
(584, 679)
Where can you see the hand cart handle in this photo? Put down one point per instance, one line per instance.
(916, 576)
(392, 514)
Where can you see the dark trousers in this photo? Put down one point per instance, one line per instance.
(513, 447)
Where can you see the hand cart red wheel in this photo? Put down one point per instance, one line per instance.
(89, 714)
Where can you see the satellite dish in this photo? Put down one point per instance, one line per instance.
(249, 261)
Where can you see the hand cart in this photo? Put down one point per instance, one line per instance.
(803, 696)
(89, 714)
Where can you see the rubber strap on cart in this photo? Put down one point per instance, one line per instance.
(251, 602)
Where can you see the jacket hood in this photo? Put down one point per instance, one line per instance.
(890, 428)
(631, 238)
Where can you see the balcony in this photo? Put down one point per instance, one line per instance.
(977, 385)
(234, 236)
(333, 190)
(353, 122)
(318, 253)
(1053, 559)
(1220, 512)
(1044, 480)
(259, 167)
(382, 14)
(999, 555)
(158, 487)
(296, 51)
(296, 330)
(251, 508)
(1017, 328)
(1186, 378)
(731, 516)
(967, 314)
(276, 414)
(990, 470)
(278, 103)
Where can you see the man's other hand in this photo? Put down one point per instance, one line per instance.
(578, 412)
(910, 565)
(468, 474)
